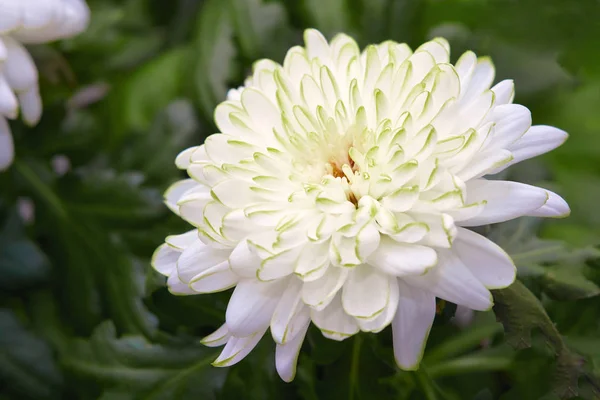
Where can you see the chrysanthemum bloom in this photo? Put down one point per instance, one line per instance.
(340, 191)
(29, 22)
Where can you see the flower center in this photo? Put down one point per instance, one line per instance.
(344, 167)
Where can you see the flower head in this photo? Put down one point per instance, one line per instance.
(29, 22)
(339, 191)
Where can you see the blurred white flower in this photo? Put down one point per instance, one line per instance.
(339, 191)
(61, 164)
(29, 22)
(26, 210)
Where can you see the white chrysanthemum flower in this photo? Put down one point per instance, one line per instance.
(29, 22)
(339, 191)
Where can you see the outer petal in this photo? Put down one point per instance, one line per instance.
(555, 207)
(505, 200)
(286, 355)
(290, 315)
(451, 280)
(539, 139)
(411, 325)
(485, 259)
(176, 191)
(8, 102)
(164, 259)
(512, 121)
(31, 105)
(504, 91)
(19, 68)
(333, 321)
(217, 338)
(252, 305)
(197, 258)
(177, 287)
(214, 279)
(237, 348)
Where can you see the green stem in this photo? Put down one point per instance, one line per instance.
(354, 365)
(470, 364)
(462, 342)
(41, 189)
(426, 383)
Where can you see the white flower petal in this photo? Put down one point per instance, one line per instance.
(539, 139)
(243, 261)
(319, 293)
(279, 265)
(217, 338)
(197, 258)
(485, 259)
(481, 79)
(19, 68)
(384, 318)
(451, 280)
(191, 205)
(177, 287)
(511, 123)
(252, 305)
(176, 191)
(333, 321)
(290, 315)
(411, 325)
(164, 259)
(237, 348)
(366, 292)
(183, 241)
(184, 158)
(313, 261)
(214, 279)
(31, 105)
(504, 91)
(505, 200)
(11, 15)
(555, 207)
(485, 163)
(8, 102)
(401, 259)
(286, 355)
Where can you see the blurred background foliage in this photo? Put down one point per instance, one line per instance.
(83, 316)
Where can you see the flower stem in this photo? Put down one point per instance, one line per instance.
(42, 190)
(354, 365)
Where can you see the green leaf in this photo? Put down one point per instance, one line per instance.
(111, 199)
(173, 130)
(560, 269)
(22, 263)
(144, 370)
(521, 312)
(149, 89)
(330, 17)
(261, 28)
(381, 20)
(568, 283)
(27, 365)
(94, 266)
(215, 55)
